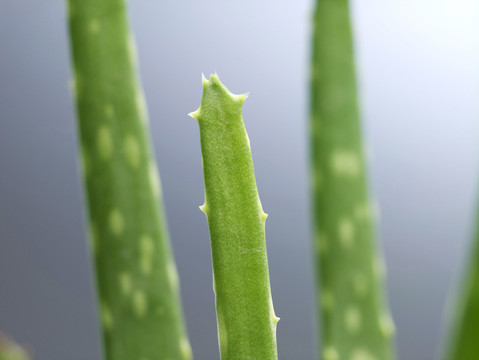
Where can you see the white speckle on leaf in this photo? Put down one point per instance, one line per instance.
(94, 26)
(386, 324)
(363, 212)
(146, 254)
(116, 222)
(330, 353)
(345, 163)
(139, 303)
(124, 280)
(352, 318)
(132, 151)
(141, 105)
(106, 316)
(104, 142)
(173, 275)
(132, 50)
(222, 332)
(185, 349)
(154, 180)
(361, 354)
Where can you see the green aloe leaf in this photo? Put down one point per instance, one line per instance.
(135, 272)
(464, 342)
(9, 350)
(245, 314)
(354, 319)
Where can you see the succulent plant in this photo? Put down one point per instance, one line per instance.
(354, 318)
(236, 221)
(9, 350)
(135, 272)
(463, 343)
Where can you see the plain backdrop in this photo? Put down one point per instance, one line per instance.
(418, 68)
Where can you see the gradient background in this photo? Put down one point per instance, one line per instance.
(418, 70)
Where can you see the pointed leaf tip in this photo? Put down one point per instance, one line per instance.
(241, 98)
(195, 114)
(204, 208)
(215, 78)
(264, 216)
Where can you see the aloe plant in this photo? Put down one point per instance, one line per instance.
(464, 343)
(245, 314)
(354, 318)
(9, 350)
(135, 272)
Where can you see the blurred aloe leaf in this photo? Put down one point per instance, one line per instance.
(353, 314)
(136, 276)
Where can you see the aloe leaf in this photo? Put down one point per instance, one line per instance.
(464, 344)
(245, 314)
(9, 350)
(136, 276)
(354, 318)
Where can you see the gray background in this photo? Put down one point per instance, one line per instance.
(418, 64)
